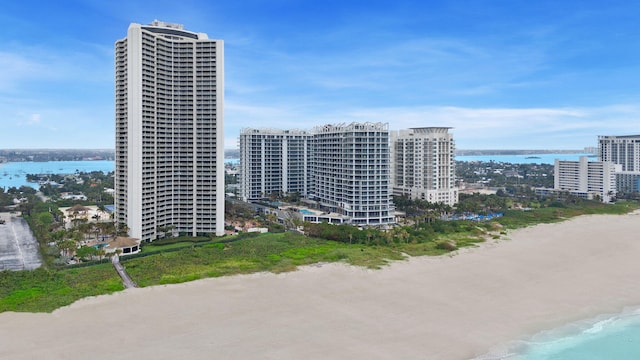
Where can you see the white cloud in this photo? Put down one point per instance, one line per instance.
(473, 128)
(16, 67)
(30, 120)
(27, 68)
(34, 119)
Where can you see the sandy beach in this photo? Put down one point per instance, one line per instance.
(449, 307)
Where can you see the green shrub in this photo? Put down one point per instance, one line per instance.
(448, 245)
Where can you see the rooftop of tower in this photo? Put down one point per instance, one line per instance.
(171, 30)
(159, 23)
(351, 127)
(602, 137)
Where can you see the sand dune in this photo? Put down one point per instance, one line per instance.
(450, 307)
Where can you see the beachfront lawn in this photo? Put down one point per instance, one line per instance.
(514, 219)
(43, 290)
(268, 252)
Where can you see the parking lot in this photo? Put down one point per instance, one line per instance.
(18, 246)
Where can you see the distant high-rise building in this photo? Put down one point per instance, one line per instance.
(169, 131)
(623, 151)
(586, 178)
(274, 161)
(423, 161)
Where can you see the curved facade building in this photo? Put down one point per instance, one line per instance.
(169, 132)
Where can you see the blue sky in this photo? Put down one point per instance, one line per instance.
(504, 74)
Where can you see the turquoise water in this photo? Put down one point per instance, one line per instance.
(523, 159)
(611, 337)
(14, 174)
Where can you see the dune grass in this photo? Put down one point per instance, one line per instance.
(43, 290)
(180, 260)
(268, 252)
(517, 218)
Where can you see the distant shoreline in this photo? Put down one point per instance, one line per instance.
(40, 155)
(467, 152)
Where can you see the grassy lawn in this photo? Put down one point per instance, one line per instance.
(177, 260)
(516, 218)
(268, 252)
(44, 290)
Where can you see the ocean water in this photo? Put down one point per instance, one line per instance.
(14, 174)
(610, 337)
(523, 159)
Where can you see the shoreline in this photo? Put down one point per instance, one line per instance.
(551, 341)
(448, 307)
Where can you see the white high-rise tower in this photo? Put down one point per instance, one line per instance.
(352, 172)
(169, 131)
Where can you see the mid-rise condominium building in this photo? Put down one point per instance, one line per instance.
(169, 131)
(586, 179)
(352, 172)
(423, 161)
(274, 161)
(344, 169)
(625, 152)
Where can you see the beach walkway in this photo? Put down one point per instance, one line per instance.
(126, 279)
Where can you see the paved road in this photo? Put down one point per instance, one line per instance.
(18, 246)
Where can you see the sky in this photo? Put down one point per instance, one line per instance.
(504, 74)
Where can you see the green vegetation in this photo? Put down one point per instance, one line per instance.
(181, 259)
(558, 212)
(266, 252)
(499, 174)
(91, 184)
(43, 290)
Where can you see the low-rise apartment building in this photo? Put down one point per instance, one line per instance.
(587, 179)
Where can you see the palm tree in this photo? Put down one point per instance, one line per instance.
(122, 229)
(67, 246)
(402, 234)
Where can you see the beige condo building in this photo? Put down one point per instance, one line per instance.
(423, 162)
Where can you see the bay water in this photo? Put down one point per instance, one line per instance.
(524, 159)
(14, 174)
